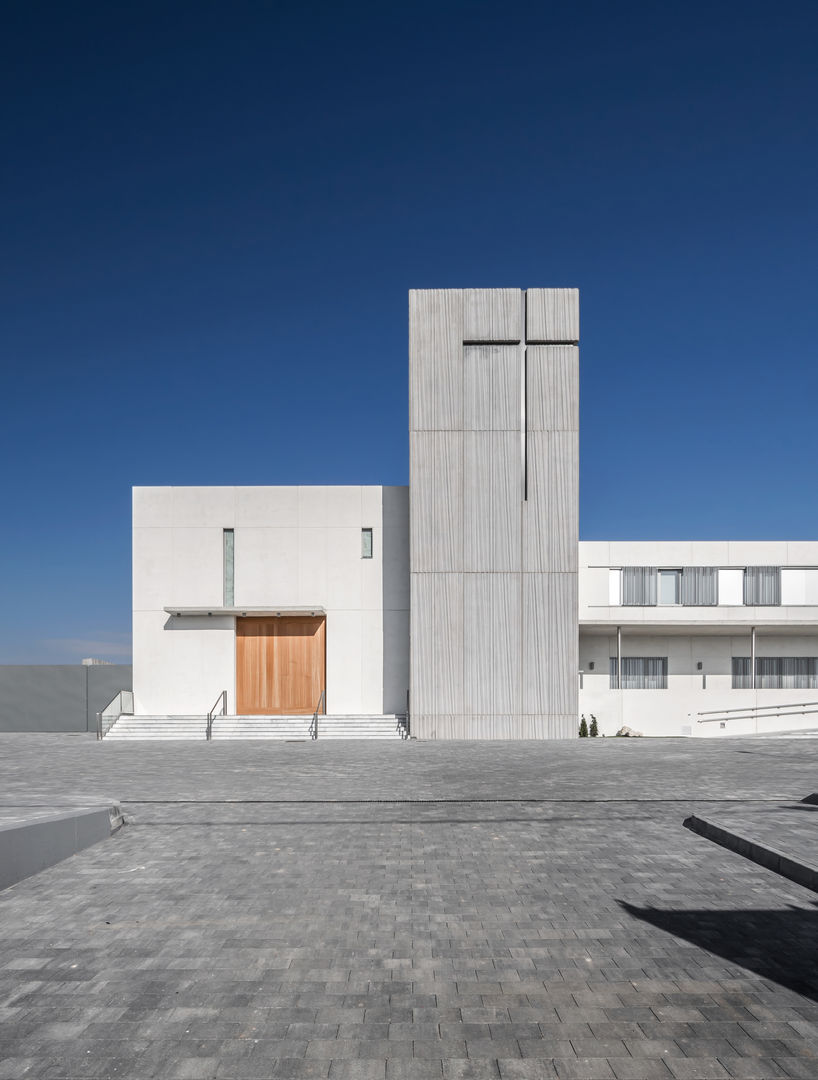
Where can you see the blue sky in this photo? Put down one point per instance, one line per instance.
(212, 214)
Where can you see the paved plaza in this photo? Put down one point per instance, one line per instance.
(410, 910)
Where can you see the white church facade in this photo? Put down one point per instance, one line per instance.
(465, 602)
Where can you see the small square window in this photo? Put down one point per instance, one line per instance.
(366, 543)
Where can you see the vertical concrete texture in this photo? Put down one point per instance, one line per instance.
(494, 431)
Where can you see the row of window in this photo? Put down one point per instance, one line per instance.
(696, 586)
(772, 673)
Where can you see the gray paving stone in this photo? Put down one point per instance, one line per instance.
(639, 1069)
(752, 1068)
(696, 1068)
(516, 1069)
(259, 913)
(801, 1068)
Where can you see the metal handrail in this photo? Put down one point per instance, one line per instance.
(758, 712)
(102, 727)
(406, 728)
(756, 708)
(314, 725)
(223, 698)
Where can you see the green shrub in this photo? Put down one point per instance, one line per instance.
(594, 729)
(583, 729)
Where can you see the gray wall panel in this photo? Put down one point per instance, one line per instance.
(553, 388)
(436, 501)
(421, 648)
(455, 726)
(550, 644)
(492, 314)
(437, 647)
(58, 697)
(448, 641)
(493, 650)
(491, 501)
(550, 516)
(436, 359)
(492, 377)
(491, 624)
(552, 315)
(395, 597)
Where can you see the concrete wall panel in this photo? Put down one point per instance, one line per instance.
(550, 516)
(197, 567)
(436, 359)
(550, 658)
(552, 315)
(58, 697)
(200, 507)
(273, 507)
(491, 625)
(491, 501)
(437, 656)
(468, 505)
(492, 376)
(437, 501)
(492, 314)
(552, 385)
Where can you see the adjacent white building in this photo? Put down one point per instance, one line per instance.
(698, 638)
(467, 599)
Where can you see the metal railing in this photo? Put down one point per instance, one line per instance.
(404, 723)
(758, 712)
(322, 701)
(121, 704)
(212, 714)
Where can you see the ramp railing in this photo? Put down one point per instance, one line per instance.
(222, 698)
(322, 703)
(121, 704)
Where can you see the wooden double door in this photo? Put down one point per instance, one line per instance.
(280, 664)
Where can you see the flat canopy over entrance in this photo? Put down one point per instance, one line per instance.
(272, 612)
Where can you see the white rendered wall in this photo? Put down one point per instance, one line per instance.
(294, 547)
(689, 635)
(674, 711)
(599, 562)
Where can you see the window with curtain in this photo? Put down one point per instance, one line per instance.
(640, 673)
(777, 673)
(639, 586)
(762, 586)
(691, 586)
(700, 586)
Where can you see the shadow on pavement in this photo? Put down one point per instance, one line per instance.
(777, 945)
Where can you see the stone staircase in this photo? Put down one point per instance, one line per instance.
(282, 728)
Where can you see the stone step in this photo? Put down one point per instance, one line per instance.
(354, 726)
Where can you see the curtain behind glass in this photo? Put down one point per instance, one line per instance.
(639, 586)
(762, 585)
(640, 673)
(700, 586)
(777, 673)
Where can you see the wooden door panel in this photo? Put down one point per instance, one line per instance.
(280, 664)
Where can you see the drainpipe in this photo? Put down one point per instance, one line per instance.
(619, 658)
(752, 658)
